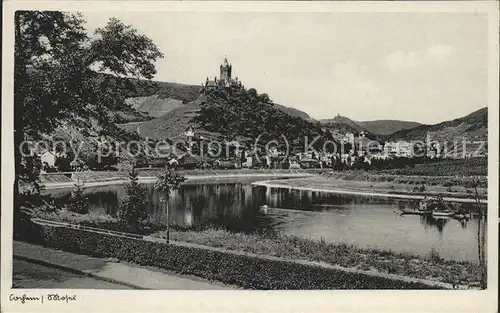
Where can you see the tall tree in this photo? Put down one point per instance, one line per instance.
(61, 73)
(133, 211)
(167, 181)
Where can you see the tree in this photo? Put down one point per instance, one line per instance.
(167, 181)
(481, 237)
(133, 211)
(62, 74)
(78, 202)
(29, 172)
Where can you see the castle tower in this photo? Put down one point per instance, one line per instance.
(225, 72)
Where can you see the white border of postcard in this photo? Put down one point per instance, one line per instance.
(253, 301)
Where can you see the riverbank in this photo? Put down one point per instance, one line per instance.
(431, 267)
(387, 189)
(96, 179)
(461, 275)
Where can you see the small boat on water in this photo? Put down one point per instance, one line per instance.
(414, 211)
(461, 215)
(446, 213)
(423, 209)
(435, 207)
(263, 208)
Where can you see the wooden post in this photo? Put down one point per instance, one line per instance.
(168, 220)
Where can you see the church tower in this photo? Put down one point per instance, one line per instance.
(225, 72)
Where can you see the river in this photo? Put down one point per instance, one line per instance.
(360, 220)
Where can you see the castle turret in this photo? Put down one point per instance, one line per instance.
(225, 71)
(224, 80)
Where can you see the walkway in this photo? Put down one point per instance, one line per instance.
(34, 276)
(128, 275)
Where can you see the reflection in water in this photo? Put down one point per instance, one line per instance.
(364, 221)
(429, 220)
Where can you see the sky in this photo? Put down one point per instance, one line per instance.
(424, 67)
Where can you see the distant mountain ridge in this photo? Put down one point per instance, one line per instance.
(344, 123)
(377, 128)
(473, 126)
(387, 127)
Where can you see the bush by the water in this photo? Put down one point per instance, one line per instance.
(231, 268)
(78, 202)
(133, 210)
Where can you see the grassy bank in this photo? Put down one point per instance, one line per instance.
(434, 180)
(466, 167)
(387, 184)
(431, 267)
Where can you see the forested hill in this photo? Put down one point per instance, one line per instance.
(236, 111)
(472, 126)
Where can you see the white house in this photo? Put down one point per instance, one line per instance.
(189, 133)
(173, 162)
(400, 148)
(249, 162)
(49, 158)
(348, 137)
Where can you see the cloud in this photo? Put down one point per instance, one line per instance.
(351, 75)
(401, 59)
(440, 50)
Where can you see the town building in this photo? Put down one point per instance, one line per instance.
(399, 149)
(48, 159)
(348, 137)
(189, 133)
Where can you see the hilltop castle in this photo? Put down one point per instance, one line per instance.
(225, 79)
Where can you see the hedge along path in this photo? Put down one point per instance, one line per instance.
(242, 269)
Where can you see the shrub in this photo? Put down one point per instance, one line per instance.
(78, 203)
(133, 210)
(434, 256)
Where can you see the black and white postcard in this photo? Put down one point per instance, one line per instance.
(187, 156)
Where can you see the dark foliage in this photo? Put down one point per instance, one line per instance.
(78, 202)
(234, 111)
(133, 210)
(58, 73)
